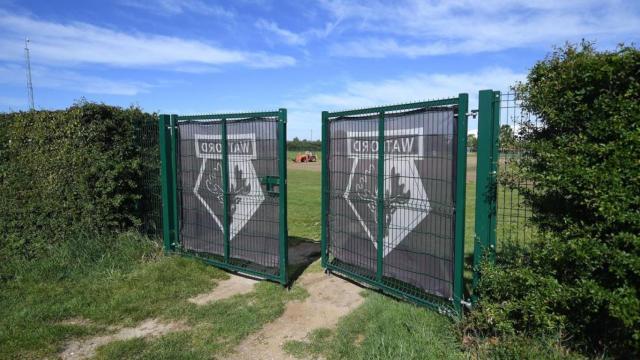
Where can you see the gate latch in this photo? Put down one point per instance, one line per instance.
(270, 182)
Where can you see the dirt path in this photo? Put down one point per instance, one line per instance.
(225, 289)
(329, 299)
(86, 348)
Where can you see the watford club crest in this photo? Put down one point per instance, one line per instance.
(245, 193)
(405, 199)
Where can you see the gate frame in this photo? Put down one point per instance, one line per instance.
(462, 101)
(168, 127)
(488, 155)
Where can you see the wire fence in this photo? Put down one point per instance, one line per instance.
(514, 226)
(150, 203)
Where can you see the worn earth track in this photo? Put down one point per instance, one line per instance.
(329, 299)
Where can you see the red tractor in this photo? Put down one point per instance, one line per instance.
(306, 157)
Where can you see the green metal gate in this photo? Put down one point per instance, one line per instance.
(224, 190)
(393, 199)
(502, 218)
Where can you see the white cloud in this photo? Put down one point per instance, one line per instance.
(304, 112)
(415, 28)
(55, 43)
(417, 87)
(46, 77)
(296, 38)
(286, 36)
(177, 7)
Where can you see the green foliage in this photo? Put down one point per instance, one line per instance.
(523, 348)
(582, 276)
(472, 142)
(383, 328)
(64, 173)
(304, 145)
(508, 141)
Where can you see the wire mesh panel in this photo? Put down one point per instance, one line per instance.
(150, 203)
(390, 207)
(513, 215)
(231, 194)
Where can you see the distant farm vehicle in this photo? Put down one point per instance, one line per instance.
(306, 157)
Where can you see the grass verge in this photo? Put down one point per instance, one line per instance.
(120, 281)
(383, 328)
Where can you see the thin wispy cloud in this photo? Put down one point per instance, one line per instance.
(305, 109)
(415, 87)
(286, 36)
(73, 81)
(77, 43)
(415, 28)
(177, 7)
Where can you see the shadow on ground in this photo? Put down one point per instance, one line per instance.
(302, 253)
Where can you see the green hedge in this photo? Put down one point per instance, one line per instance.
(67, 172)
(582, 277)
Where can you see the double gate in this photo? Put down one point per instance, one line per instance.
(224, 181)
(393, 193)
(393, 198)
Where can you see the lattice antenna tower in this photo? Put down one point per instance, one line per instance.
(27, 60)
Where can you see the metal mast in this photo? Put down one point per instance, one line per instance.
(29, 84)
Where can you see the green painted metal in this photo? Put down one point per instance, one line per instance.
(149, 205)
(325, 187)
(174, 181)
(494, 169)
(375, 110)
(235, 116)
(428, 301)
(486, 181)
(460, 191)
(282, 167)
(380, 199)
(388, 285)
(271, 182)
(231, 267)
(226, 222)
(165, 170)
(225, 260)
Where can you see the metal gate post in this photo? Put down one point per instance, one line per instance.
(460, 191)
(173, 120)
(486, 180)
(495, 157)
(324, 227)
(380, 199)
(165, 179)
(282, 192)
(225, 190)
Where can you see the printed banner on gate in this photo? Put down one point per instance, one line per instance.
(252, 155)
(404, 194)
(418, 185)
(245, 193)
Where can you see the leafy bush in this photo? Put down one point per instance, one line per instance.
(304, 145)
(582, 277)
(65, 173)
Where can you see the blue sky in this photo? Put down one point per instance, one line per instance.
(196, 56)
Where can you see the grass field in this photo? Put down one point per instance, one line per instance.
(94, 285)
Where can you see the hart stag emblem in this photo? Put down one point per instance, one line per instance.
(245, 193)
(405, 199)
